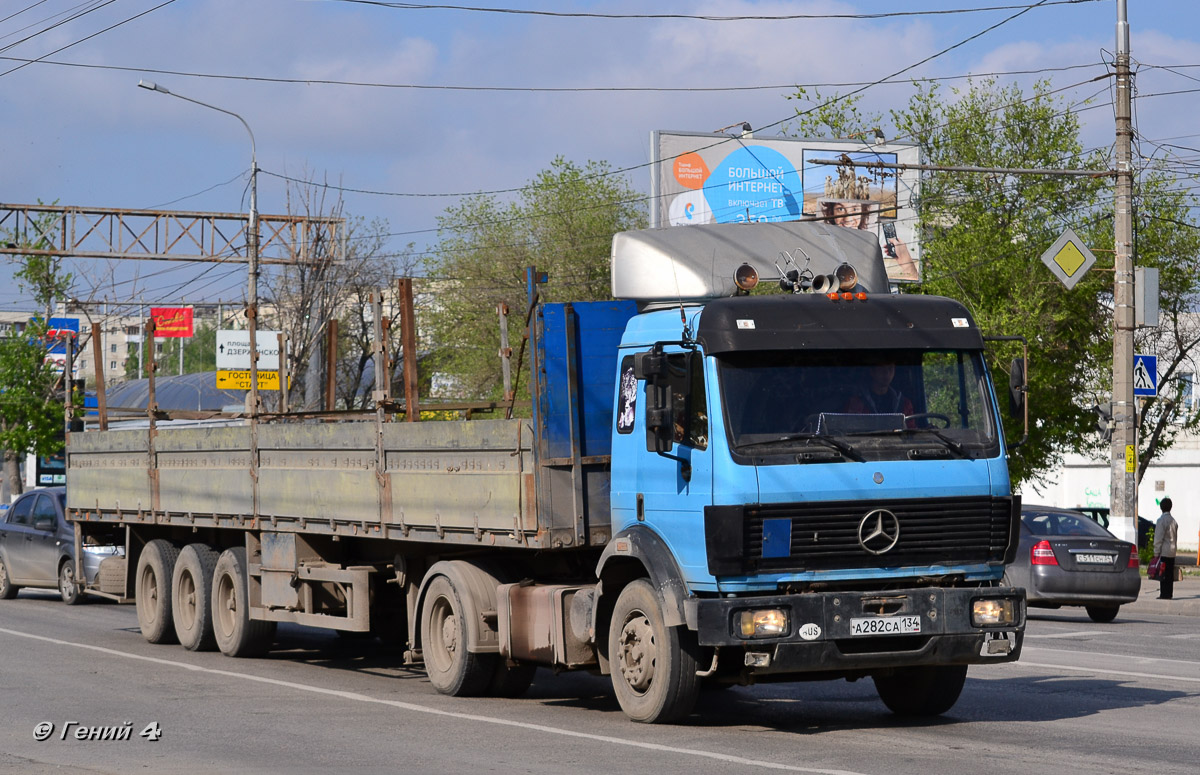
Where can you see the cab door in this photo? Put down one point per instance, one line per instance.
(666, 490)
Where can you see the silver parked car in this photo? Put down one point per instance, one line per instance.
(37, 547)
(1065, 558)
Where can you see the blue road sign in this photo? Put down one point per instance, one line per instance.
(1145, 375)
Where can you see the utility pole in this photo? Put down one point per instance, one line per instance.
(1124, 410)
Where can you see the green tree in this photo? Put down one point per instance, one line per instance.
(984, 233)
(562, 222)
(31, 414)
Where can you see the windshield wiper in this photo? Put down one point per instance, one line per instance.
(950, 443)
(828, 441)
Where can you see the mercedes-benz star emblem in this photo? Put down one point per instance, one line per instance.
(879, 531)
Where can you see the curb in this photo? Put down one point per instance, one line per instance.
(1186, 600)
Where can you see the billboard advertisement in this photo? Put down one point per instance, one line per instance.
(714, 178)
(172, 322)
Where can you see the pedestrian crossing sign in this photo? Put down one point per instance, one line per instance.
(1145, 375)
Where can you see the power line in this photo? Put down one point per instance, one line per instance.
(89, 37)
(707, 18)
(96, 5)
(526, 89)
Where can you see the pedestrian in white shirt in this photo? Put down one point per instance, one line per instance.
(1166, 535)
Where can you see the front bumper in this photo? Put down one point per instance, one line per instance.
(820, 635)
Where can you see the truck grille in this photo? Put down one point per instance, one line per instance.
(824, 536)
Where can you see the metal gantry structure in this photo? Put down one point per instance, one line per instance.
(162, 235)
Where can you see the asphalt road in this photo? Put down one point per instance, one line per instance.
(1114, 698)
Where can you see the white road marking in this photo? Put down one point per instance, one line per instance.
(356, 697)
(1122, 673)
(1080, 634)
(1119, 657)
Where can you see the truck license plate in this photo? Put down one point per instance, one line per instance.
(890, 625)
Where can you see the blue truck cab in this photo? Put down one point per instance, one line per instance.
(815, 482)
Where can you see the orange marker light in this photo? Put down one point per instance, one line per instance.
(847, 296)
(860, 296)
(832, 295)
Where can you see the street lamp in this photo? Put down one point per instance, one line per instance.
(251, 236)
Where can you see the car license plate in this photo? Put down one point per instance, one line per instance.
(885, 625)
(1095, 559)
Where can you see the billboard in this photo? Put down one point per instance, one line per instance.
(712, 178)
(172, 322)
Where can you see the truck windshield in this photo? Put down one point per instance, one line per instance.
(858, 404)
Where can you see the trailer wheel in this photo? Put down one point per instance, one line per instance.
(653, 665)
(70, 591)
(452, 669)
(237, 635)
(930, 690)
(191, 590)
(8, 590)
(152, 591)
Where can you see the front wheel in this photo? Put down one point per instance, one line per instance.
(452, 669)
(930, 690)
(653, 666)
(1102, 613)
(68, 588)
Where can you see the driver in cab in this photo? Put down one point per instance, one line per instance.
(877, 395)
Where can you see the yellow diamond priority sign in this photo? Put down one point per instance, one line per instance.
(1068, 258)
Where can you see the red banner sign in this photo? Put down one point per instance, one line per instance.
(172, 321)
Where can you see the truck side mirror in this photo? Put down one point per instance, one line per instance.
(660, 417)
(650, 365)
(1017, 386)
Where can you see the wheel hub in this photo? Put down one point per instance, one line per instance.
(637, 653)
(450, 634)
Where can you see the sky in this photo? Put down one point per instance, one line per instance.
(328, 88)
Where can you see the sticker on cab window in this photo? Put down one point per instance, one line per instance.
(745, 324)
(959, 322)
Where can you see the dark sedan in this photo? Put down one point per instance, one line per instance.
(37, 547)
(1065, 558)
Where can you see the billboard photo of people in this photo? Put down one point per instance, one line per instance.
(861, 198)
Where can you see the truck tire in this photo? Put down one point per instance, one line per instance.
(237, 635)
(191, 590)
(653, 666)
(70, 591)
(929, 690)
(1102, 613)
(452, 669)
(152, 590)
(8, 590)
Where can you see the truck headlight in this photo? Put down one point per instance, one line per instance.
(766, 623)
(993, 611)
